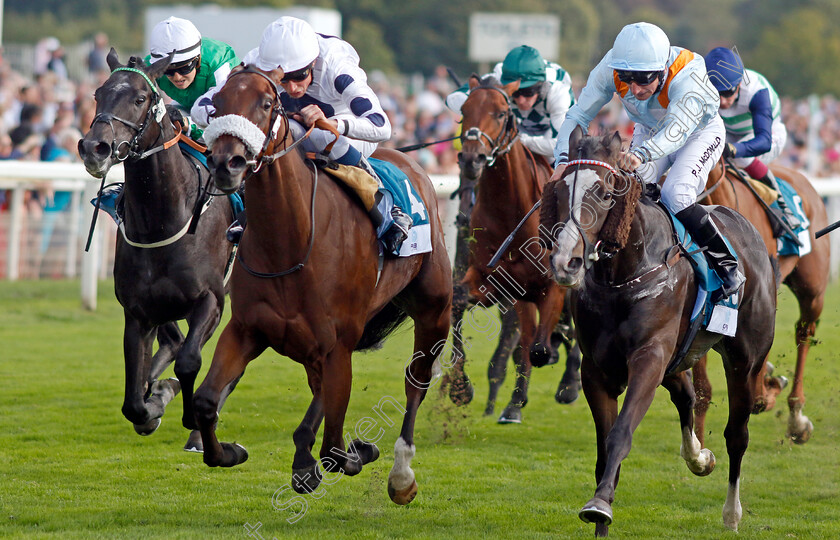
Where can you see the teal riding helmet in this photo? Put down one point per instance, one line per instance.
(525, 64)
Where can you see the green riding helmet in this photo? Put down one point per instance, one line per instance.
(524, 63)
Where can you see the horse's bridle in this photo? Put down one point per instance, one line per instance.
(592, 253)
(156, 111)
(502, 144)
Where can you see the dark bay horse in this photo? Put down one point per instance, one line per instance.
(632, 297)
(807, 277)
(306, 285)
(509, 181)
(161, 274)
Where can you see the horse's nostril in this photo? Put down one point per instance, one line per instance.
(574, 264)
(237, 164)
(102, 150)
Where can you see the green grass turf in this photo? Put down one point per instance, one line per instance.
(72, 467)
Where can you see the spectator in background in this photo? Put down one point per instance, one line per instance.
(96, 60)
(56, 62)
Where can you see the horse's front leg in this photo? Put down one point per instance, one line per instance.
(497, 368)
(800, 427)
(235, 349)
(644, 373)
(145, 401)
(202, 321)
(550, 308)
(700, 460)
(305, 473)
(169, 338)
(703, 396)
(528, 325)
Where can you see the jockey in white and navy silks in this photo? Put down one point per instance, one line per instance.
(542, 100)
(752, 114)
(322, 80)
(666, 92)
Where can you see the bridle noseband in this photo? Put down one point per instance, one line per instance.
(502, 144)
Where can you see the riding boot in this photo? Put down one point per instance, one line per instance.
(234, 232)
(109, 199)
(397, 232)
(706, 233)
(770, 180)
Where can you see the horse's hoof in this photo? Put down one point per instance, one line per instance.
(167, 389)
(148, 428)
(568, 392)
(701, 470)
(367, 452)
(540, 356)
(461, 391)
(511, 415)
(233, 454)
(803, 435)
(783, 382)
(403, 496)
(490, 409)
(596, 511)
(306, 480)
(194, 443)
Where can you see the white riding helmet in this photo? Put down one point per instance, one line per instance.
(174, 34)
(640, 47)
(288, 43)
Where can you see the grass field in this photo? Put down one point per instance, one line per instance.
(72, 467)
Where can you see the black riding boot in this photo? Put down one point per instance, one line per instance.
(234, 232)
(396, 234)
(770, 180)
(705, 232)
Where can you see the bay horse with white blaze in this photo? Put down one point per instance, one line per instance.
(306, 285)
(161, 274)
(509, 181)
(806, 276)
(632, 297)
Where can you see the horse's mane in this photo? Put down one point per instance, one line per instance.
(616, 228)
(136, 62)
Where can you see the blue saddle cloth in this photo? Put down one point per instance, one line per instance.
(405, 196)
(707, 280)
(236, 202)
(786, 245)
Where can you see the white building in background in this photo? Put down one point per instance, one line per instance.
(240, 27)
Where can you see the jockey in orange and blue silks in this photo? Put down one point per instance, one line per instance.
(752, 114)
(666, 92)
(323, 81)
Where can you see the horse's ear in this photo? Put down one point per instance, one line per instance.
(613, 144)
(574, 141)
(112, 59)
(510, 88)
(474, 81)
(157, 68)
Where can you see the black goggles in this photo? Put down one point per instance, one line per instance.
(728, 93)
(183, 69)
(526, 92)
(642, 78)
(297, 76)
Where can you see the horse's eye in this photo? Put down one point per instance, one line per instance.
(267, 105)
(140, 100)
(501, 115)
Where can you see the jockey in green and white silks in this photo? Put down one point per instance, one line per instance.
(542, 100)
(666, 92)
(752, 114)
(199, 67)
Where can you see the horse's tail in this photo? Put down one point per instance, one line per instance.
(381, 326)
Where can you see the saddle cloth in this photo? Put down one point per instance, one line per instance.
(397, 190)
(720, 317)
(786, 246)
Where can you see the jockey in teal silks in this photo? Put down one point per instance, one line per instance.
(751, 112)
(666, 92)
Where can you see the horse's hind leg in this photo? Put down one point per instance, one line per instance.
(700, 460)
(233, 352)
(527, 324)
(169, 339)
(430, 331)
(569, 387)
(497, 368)
(800, 427)
(703, 397)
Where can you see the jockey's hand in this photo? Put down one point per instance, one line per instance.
(311, 113)
(558, 172)
(728, 150)
(629, 161)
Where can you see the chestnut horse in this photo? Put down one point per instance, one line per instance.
(632, 297)
(509, 180)
(807, 278)
(306, 285)
(161, 274)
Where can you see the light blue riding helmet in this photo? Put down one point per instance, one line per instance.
(725, 68)
(640, 46)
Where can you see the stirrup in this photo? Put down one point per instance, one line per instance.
(234, 232)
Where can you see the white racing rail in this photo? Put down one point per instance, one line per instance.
(21, 176)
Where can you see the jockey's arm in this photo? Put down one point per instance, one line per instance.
(762, 123)
(368, 121)
(557, 105)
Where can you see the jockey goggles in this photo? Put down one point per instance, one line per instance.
(297, 76)
(642, 78)
(182, 70)
(728, 93)
(526, 92)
